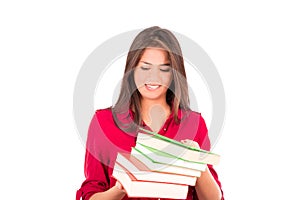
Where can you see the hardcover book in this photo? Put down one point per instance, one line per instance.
(148, 189)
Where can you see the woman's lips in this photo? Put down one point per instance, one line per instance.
(152, 87)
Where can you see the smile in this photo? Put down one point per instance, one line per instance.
(152, 87)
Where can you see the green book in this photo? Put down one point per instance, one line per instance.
(158, 165)
(175, 148)
(167, 159)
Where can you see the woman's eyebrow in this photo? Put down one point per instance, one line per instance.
(164, 64)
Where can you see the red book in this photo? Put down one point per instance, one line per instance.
(136, 188)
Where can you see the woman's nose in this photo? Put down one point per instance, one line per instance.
(154, 75)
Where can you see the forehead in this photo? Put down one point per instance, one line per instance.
(155, 56)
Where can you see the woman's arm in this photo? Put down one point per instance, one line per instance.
(97, 171)
(207, 188)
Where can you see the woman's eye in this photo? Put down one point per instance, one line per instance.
(145, 68)
(165, 69)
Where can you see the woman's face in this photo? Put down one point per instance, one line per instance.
(153, 75)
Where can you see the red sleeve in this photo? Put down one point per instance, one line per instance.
(96, 172)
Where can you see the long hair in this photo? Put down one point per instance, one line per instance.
(130, 98)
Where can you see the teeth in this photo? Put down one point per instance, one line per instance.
(152, 87)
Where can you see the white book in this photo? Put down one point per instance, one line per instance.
(162, 157)
(147, 189)
(163, 167)
(176, 148)
(141, 172)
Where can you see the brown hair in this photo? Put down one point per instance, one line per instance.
(130, 98)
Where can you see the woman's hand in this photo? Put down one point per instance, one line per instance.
(190, 143)
(206, 186)
(117, 192)
(120, 186)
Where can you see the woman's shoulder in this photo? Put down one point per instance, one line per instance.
(103, 113)
(191, 114)
(196, 113)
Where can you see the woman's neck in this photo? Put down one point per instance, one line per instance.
(154, 113)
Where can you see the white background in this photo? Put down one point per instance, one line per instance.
(254, 45)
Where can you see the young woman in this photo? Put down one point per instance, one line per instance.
(154, 96)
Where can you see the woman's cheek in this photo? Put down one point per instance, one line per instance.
(139, 79)
(166, 80)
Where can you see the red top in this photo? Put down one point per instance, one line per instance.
(105, 140)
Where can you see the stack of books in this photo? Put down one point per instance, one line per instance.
(160, 167)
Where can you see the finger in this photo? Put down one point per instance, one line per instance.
(119, 185)
(185, 141)
(190, 143)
